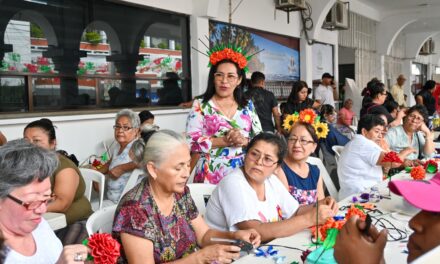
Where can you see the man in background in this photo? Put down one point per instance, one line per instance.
(397, 91)
(265, 103)
(326, 93)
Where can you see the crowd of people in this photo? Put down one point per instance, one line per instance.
(240, 141)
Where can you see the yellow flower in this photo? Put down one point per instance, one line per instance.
(321, 129)
(289, 121)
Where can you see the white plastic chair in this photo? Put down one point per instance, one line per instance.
(201, 192)
(101, 221)
(325, 177)
(132, 181)
(338, 150)
(91, 176)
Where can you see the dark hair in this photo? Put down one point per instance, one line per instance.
(145, 115)
(273, 139)
(391, 106)
(309, 129)
(296, 88)
(369, 121)
(418, 108)
(374, 88)
(257, 77)
(326, 110)
(238, 92)
(429, 85)
(46, 125)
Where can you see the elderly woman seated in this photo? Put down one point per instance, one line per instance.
(252, 197)
(25, 192)
(157, 221)
(120, 166)
(413, 133)
(67, 184)
(360, 164)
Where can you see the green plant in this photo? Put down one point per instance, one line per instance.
(36, 31)
(93, 37)
(178, 46)
(162, 45)
(142, 43)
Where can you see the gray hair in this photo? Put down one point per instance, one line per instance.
(134, 118)
(156, 146)
(22, 162)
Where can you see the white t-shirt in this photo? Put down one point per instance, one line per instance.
(234, 201)
(325, 95)
(357, 169)
(48, 246)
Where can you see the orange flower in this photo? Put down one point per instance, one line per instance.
(355, 211)
(228, 54)
(418, 173)
(308, 116)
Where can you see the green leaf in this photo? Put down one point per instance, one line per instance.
(330, 240)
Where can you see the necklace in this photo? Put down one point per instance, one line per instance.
(227, 110)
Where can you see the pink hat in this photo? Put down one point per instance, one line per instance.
(421, 194)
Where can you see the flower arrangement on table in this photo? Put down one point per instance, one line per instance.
(419, 172)
(307, 116)
(328, 233)
(104, 249)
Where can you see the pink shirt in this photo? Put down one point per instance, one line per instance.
(347, 115)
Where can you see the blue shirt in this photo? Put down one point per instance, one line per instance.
(304, 190)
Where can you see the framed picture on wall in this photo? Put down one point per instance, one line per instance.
(276, 56)
(322, 60)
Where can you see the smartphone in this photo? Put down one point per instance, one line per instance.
(243, 245)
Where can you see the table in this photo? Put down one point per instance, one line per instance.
(396, 210)
(55, 220)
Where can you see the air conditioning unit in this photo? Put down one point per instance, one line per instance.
(290, 5)
(427, 48)
(338, 17)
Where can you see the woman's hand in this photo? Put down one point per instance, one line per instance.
(321, 214)
(72, 254)
(116, 172)
(249, 235)
(352, 245)
(331, 202)
(217, 254)
(235, 138)
(405, 152)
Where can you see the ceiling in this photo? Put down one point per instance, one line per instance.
(392, 5)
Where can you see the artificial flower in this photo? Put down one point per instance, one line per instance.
(321, 129)
(392, 157)
(228, 54)
(418, 173)
(104, 248)
(431, 166)
(290, 120)
(307, 116)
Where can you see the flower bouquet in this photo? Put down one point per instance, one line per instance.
(104, 249)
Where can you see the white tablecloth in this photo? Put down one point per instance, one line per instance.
(56, 220)
(396, 210)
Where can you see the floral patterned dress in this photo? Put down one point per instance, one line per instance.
(205, 121)
(172, 236)
(304, 190)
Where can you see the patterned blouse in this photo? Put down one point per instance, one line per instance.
(172, 236)
(304, 190)
(205, 121)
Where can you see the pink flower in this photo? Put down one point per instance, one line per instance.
(213, 123)
(248, 121)
(216, 176)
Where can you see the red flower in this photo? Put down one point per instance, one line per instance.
(391, 157)
(307, 116)
(418, 173)
(229, 54)
(431, 166)
(104, 248)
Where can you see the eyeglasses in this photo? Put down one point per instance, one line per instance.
(218, 76)
(303, 142)
(32, 205)
(417, 118)
(255, 156)
(124, 128)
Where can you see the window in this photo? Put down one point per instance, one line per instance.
(91, 54)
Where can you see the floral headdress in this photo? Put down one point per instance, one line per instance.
(228, 52)
(307, 116)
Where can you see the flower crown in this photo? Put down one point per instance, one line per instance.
(227, 52)
(307, 116)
